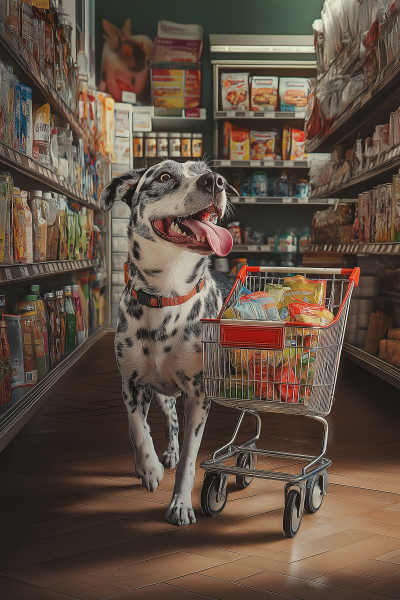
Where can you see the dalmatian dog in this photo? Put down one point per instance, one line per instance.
(172, 232)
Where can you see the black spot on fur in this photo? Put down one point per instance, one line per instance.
(210, 304)
(129, 342)
(183, 378)
(192, 329)
(133, 308)
(152, 272)
(146, 351)
(159, 335)
(197, 348)
(122, 326)
(135, 249)
(194, 276)
(167, 319)
(167, 348)
(177, 317)
(195, 311)
(198, 381)
(118, 349)
(142, 334)
(196, 431)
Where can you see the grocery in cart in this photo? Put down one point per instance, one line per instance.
(287, 366)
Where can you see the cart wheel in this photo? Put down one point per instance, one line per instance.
(292, 516)
(211, 504)
(244, 461)
(314, 492)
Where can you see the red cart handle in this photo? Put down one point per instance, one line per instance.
(354, 274)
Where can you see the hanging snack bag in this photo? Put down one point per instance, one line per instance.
(264, 93)
(235, 91)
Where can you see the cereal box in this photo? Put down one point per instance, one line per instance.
(235, 91)
(264, 93)
(293, 93)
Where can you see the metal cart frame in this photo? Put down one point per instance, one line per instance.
(311, 398)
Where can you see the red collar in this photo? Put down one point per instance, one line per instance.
(160, 301)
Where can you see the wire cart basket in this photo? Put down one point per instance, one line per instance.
(243, 369)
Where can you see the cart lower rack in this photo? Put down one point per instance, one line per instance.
(274, 366)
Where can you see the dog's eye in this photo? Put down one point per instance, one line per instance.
(165, 177)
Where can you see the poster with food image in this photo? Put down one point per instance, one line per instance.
(235, 91)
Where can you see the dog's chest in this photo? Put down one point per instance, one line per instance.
(164, 345)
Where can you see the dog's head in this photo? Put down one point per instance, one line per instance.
(178, 203)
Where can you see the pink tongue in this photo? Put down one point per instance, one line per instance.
(219, 238)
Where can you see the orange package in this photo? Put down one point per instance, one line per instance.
(304, 312)
(239, 144)
(288, 393)
(286, 142)
(297, 145)
(263, 389)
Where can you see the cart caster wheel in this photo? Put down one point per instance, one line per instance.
(314, 492)
(291, 515)
(244, 461)
(214, 494)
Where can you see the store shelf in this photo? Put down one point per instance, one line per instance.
(373, 364)
(250, 114)
(256, 248)
(392, 296)
(32, 169)
(27, 400)
(181, 119)
(255, 200)
(14, 47)
(389, 164)
(15, 273)
(380, 97)
(268, 164)
(387, 248)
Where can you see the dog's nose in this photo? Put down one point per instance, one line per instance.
(211, 183)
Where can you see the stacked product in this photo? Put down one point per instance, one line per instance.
(243, 144)
(364, 37)
(43, 330)
(40, 226)
(361, 307)
(271, 183)
(171, 145)
(335, 225)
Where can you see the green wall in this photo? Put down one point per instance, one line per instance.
(233, 16)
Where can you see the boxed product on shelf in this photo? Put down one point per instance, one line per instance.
(175, 86)
(235, 91)
(297, 144)
(270, 183)
(176, 42)
(293, 93)
(263, 144)
(264, 93)
(239, 144)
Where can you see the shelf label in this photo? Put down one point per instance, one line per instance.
(31, 165)
(35, 270)
(302, 200)
(18, 159)
(41, 270)
(286, 200)
(8, 273)
(11, 154)
(24, 271)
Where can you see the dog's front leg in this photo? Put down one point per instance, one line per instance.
(167, 405)
(137, 398)
(180, 511)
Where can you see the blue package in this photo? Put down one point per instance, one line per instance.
(24, 121)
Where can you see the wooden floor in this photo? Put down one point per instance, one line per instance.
(75, 523)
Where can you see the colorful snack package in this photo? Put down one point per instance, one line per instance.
(303, 312)
(235, 91)
(238, 387)
(301, 290)
(264, 93)
(263, 144)
(239, 144)
(276, 291)
(288, 393)
(244, 360)
(263, 376)
(297, 144)
(260, 306)
(286, 142)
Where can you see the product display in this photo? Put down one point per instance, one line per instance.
(276, 183)
(175, 86)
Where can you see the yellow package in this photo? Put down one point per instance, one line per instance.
(276, 291)
(20, 246)
(300, 289)
(243, 360)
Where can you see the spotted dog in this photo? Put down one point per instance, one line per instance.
(172, 232)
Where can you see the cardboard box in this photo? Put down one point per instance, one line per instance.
(235, 91)
(264, 94)
(175, 86)
(293, 93)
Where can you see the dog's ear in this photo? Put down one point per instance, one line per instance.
(229, 189)
(121, 188)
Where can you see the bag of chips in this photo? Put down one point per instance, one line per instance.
(300, 290)
(316, 314)
(243, 359)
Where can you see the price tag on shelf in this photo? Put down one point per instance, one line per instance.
(389, 248)
(24, 272)
(252, 248)
(51, 267)
(41, 269)
(329, 248)
(286, 200)
(31, 165)
(18, 158)
(85, 263)
(302, 200)
(11, 154)
(8, 274)
(35, 270)
(39, 168)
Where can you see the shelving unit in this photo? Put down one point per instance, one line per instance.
(267, 164)
(371, 107)
(27, 400)
(27, 174)
(13, 46)
(297, 115)
(252, 200)
(16, 161)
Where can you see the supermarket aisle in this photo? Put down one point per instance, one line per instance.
(76, 524)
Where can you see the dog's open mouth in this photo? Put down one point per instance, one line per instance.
(198, 232)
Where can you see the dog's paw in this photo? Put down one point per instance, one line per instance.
(170, 459)
(149, 469)
(180, 512)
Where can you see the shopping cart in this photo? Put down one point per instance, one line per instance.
(243, 369)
